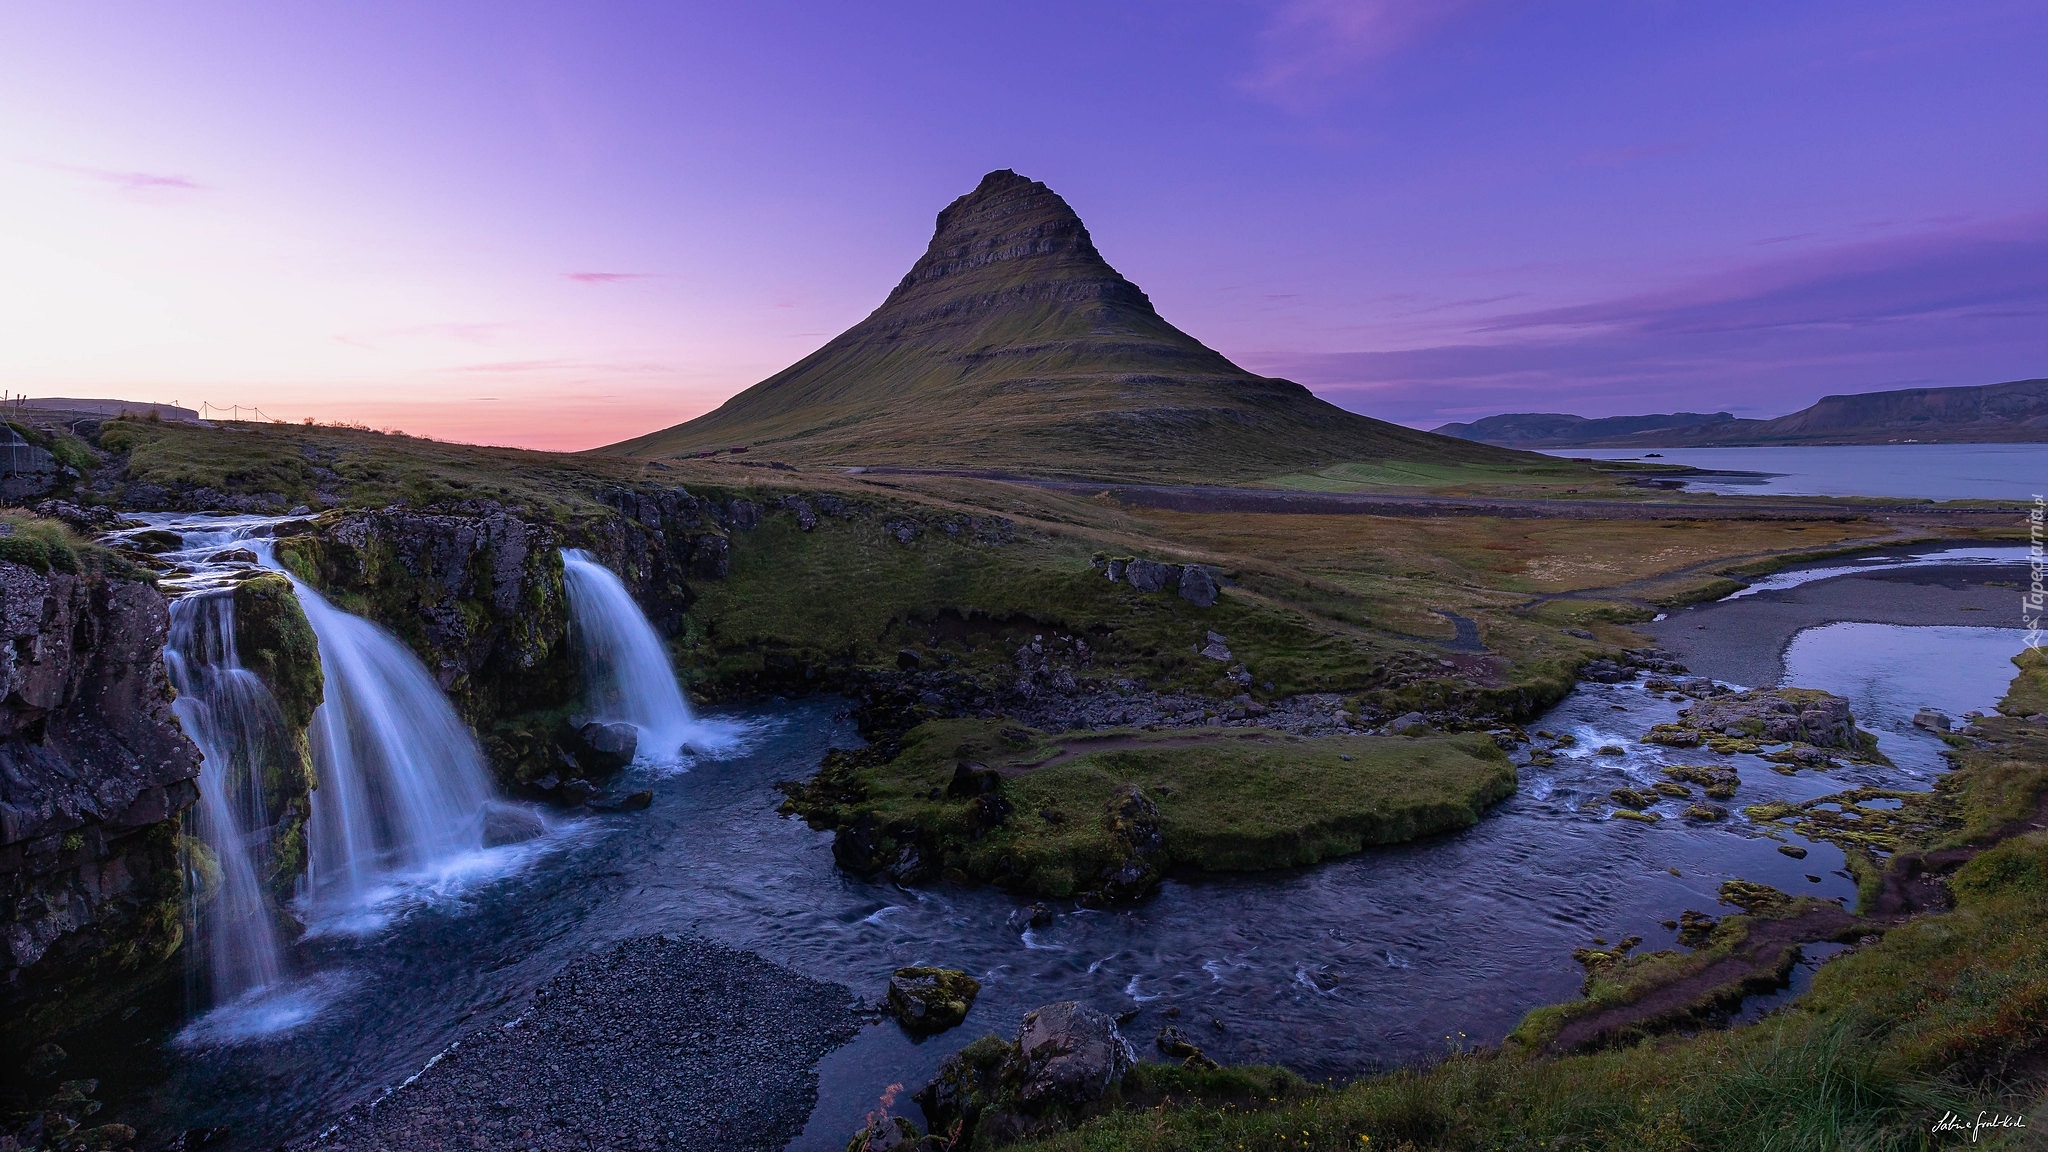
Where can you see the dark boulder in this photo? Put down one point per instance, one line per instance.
(603, 747)
(1147, 575)
(1197, 586)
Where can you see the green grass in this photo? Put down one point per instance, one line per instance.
(1045, 361)
(49, 546)
(1230, 801)
(1542, 476)
(1946, 1013)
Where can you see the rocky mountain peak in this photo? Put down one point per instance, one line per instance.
(1008, 233)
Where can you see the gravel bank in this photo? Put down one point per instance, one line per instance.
(663, 1042)
(1743, 641)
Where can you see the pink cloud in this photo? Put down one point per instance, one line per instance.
(141, 182)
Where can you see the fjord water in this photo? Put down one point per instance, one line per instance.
(1380, 958)
(1899, 471)
(236, 722)
(626, 671)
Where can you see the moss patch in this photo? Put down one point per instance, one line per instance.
(1237, 800)
(276, 642)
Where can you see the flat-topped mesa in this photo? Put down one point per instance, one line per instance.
(1013, 344)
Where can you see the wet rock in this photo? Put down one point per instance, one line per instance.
(1636, 798)
(1793, 850)
(930, 1000)
(630, 802)
(1197, 586)
(1705, 813)
(1175, 1044)
(606, 747)
(511, 824)
(1068, 1056)
(93, 771)
(1675, 791)
(1932, 720)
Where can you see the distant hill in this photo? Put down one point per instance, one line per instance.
(1012, 344)
(1545, 429)
(2013, 412)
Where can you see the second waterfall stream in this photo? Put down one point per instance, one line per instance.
(626, 671)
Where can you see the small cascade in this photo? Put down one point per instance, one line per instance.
(403, 785)
(231, 715)
(626, 670)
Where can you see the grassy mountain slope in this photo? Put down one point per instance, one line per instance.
(1013, 345)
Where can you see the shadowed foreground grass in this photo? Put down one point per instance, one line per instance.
(1948, 1013)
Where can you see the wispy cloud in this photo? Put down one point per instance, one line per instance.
(1308, 46)
(609, 277)
(1960, 306)
(139, 183)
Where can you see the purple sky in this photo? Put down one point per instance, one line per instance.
(560, 224)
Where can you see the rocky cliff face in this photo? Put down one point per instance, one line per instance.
(477, 591)
(93, 774)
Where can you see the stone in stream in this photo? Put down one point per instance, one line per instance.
(607, 747)
(929, 1000)
(1932, 720)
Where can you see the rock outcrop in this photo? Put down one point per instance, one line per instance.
(1067, 1063)
(1815, 723)
(94, 772)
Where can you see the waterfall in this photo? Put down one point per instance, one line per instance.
(626, 670)
(229, 713)
(403, 785)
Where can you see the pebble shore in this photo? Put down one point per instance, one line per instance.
(663, 1042)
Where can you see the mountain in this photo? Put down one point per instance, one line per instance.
(2013, 412)
(1545, 429)
(1012, 344)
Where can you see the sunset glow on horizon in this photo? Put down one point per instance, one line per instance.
(559, 227)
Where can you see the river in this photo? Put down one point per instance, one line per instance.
(1381, 958)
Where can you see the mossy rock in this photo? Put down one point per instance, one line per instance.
(929, 1000)
(1636, 798)
(276, 642)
